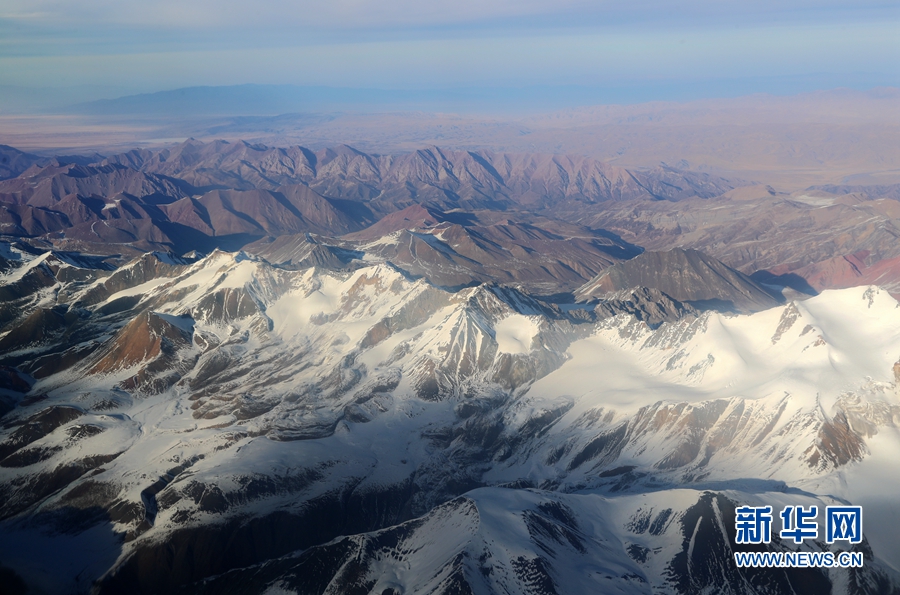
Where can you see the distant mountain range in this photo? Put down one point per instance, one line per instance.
(563, 218)
(831, 137)
(258, 100)
(480, 215)
(243, 100)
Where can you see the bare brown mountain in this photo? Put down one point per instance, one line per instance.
(686, 275)
(13, 161)
(147, 347)
(753, 229)
(850, 270)
(413, 217)
(482, 179)
(466, 179)
(239, 165)
(205, 195)
(288, 210)
(46, 186)
(95, 208)
(459, 248)
(24, 220)
(528, 218)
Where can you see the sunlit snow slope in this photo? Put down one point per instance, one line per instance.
(322, 431)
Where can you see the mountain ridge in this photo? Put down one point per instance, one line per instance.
(686, 275)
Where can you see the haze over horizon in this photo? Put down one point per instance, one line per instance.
(506, 54)
(785, 77)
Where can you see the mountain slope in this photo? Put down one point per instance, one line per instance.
(686, 275)
(758, 229)
(497, 540)
(13, 161)
(454, 249)
(464, 179)
(46, 186)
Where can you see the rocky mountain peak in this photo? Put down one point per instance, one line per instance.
(686, 275)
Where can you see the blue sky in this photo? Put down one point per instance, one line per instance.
(661, 49)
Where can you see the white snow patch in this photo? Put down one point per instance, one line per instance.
(139, 289)
(815, 201)
(842, 340)
(391, 239)
(292, 312)
(20, 272)
(241, 274)
(515, 334)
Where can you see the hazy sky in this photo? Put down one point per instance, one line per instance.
(729, 46)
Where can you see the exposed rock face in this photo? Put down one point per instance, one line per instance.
(648, 305)
(47, 186)
(686, 275)
(149, 348)
(13, 162)
(143, 339)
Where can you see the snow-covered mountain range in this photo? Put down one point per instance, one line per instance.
(230, 368)
(222, 424)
